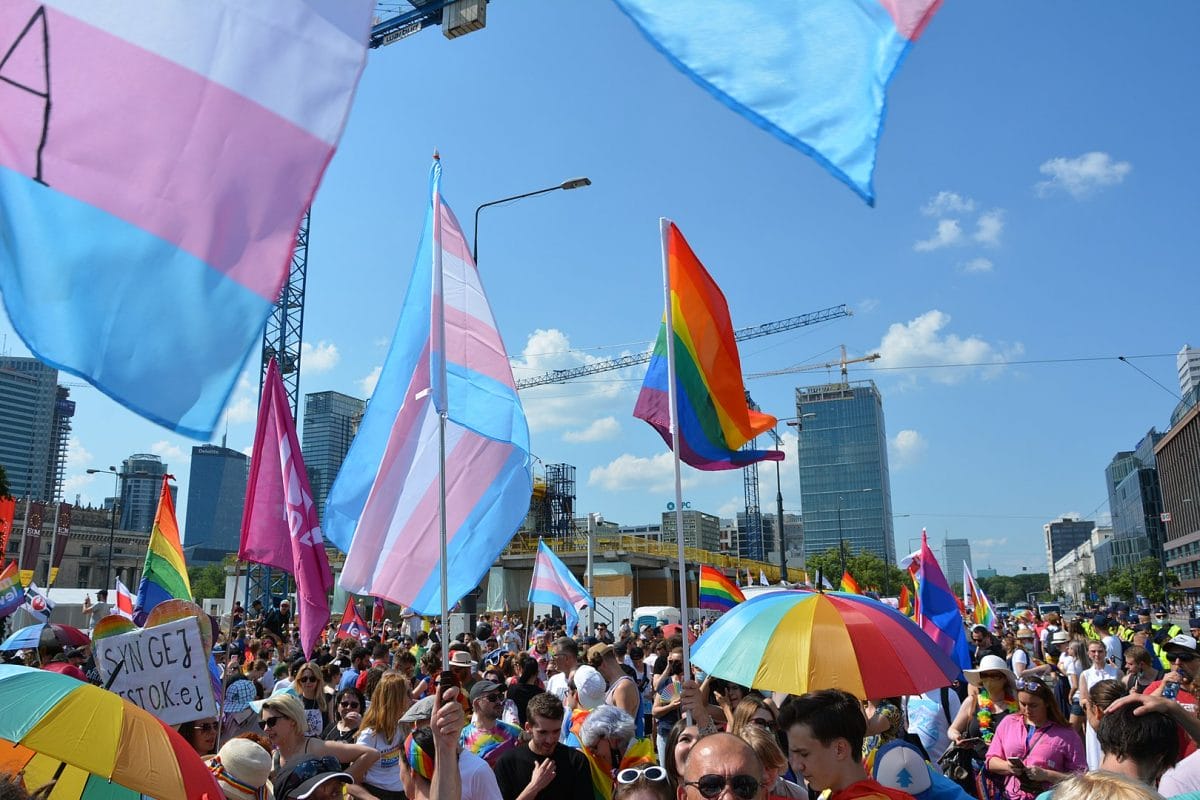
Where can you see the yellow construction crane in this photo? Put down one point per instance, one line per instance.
(843, 362)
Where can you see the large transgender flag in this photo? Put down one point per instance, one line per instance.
(383, 509)
(814, 73)
(554, 584)
(156, 159)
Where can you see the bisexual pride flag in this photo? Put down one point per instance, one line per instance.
(156, 159)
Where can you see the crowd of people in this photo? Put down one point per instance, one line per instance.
(1102, 705)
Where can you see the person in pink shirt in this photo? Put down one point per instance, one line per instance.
(1034, 749)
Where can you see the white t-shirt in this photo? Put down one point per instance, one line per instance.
(384, 773)
(1112, 644)
(1182, 778)
(1068, 666)
(1091, 676)
(557, 685)
(478, 780)
(927, 719)
(1020, 661)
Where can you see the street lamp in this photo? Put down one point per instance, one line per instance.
(112, 525)
(798, 424)
(573, 183)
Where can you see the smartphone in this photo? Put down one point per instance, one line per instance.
(1017, 763)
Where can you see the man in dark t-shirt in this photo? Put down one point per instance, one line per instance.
(543, 768)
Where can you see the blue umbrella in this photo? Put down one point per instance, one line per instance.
(45, 634)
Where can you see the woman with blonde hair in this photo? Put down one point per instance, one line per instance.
(1103, 786)
(310, 685)
(774, 763)
(382, 731)
(754, 710)
(282, 719)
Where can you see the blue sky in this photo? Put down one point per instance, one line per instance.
(1034, 202)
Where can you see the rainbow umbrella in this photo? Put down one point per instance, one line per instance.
(98, 745)
(42, 634)
(795, 642)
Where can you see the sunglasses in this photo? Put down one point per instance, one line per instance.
(768, 724)
(494, 697)
(270, 722)
(745, 787)
(992, 676)
(1184, 657)
(630, 775)
(348, 704)
(308, 679)
(1030, 686)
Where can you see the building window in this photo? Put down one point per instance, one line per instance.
(85, 576)
(85, 552)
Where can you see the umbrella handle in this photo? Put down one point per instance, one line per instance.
(116, 671)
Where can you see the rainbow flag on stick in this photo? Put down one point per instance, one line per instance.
(974, 597)
(714, 417)
(849, 584)
(716, 591)
(164, 575)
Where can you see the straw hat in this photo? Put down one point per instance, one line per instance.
(991, 663)
(242, 769)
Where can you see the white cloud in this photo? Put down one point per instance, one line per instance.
(906, 448)
(572, 405)
(78, 456)
(989, 544)
(628, 471)
(730, 508)
(168, 452)
(922, 341)
(977, 265)
(867, 305)
(1080, 177)
(988, 227)
(322, 357)
(248, 450)
(949, 232)
(368, 383)
(82, 484)
(946, 202)
(243, 405)
(600, 430)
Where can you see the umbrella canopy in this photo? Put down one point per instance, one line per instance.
(43, 634)
(105, 741)
(798, 642)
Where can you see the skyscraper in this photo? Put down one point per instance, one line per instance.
(845, 488)
(1188, 362)
(954, 553)
(1135, 501)
(141, 481)
(330, 422)
(1063, 536)
(35, 414)
(216, 497)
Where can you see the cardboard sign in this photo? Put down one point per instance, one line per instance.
(164, 669)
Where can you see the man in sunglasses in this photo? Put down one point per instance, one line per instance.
(1185, 660)
(825, 732)
(722, 766)
(486, 735)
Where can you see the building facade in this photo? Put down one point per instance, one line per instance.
(1188, 363)
(699, 529)
(330, 421)
(35, 426)
(1178, 458)
(141, 483)
(1135, 501)
(845, 487)
(954, 553)
(1069, 576)
(85, 559)
(1062, 536)
(216, 499)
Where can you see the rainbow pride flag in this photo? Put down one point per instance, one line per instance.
(164, 575)
(905, 603)
(716, 591)
(975, 599)
(849, 584)
(714, 417)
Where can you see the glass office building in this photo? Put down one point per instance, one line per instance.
(1135, 501)
(34, 426)
(141, 485)
(330, 421)
(845, 489)
(216, 498)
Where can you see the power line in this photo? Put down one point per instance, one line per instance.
(1125, 360)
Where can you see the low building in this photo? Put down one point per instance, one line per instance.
(86, 558)
(1069, 576)
(1177, 455)
(699, 529)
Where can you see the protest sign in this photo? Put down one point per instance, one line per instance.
(163, 669)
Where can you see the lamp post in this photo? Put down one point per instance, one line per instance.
(798, 424)
(112, 525)
(573, 183)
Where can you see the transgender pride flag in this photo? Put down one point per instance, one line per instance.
(384, 508)
(156, 159)
(554, 585)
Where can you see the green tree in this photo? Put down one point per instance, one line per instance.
(4, 490)
(1144, 579)
(208, 581)
(871, 572)
(1014, 589)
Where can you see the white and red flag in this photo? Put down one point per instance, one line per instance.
(280, 527)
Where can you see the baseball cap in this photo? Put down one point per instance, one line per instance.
(481, 688)
(298, 782)
(1181, 642)
(420, 711)
(1194, 623)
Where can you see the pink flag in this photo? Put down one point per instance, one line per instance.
(280, 527)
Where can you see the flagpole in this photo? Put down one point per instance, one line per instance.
(237, 575)
(24, 533)
(53, 541)
(664, 227)
(440, 399)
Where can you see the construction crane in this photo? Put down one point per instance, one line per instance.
(842, 362)
(740, 335)
(399, 20)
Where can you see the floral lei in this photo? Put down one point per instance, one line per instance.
(986, 708)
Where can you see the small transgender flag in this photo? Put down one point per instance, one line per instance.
(554, 584)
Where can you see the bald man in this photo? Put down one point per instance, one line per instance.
(722, 767)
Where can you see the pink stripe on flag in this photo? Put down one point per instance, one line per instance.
(547, 577)
(471, 468)
(477, 345)
(168, 134)
(454, 242)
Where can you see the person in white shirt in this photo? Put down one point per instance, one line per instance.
(1112, 642)
(1098, 671)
